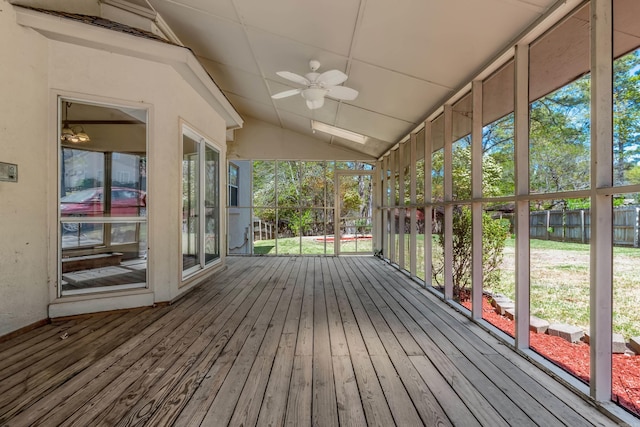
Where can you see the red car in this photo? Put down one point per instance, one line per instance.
(89, 202)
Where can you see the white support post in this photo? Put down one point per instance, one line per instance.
(378, 200)
(337, 233)
(448, 205)
(385, 204)
(392, 205)
(601, 204)
(521, 134)
(476, 205)
(401, 207)
(275, 183)
(428, 209)
(413, 153)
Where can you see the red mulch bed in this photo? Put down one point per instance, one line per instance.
(574, 358)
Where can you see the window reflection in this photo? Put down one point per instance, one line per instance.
(102, 181)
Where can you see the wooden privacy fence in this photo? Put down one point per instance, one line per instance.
(262, 230)
(575, 225)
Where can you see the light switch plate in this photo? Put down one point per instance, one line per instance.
(8, 172)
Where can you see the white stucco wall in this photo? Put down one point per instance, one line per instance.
(34, 71)
(259, 140)
(24, 210)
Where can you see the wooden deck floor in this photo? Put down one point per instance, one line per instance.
(281, 341)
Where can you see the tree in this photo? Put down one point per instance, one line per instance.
(559, 139)
(498, 144)
(264, 184)
(626, 117)
(461, 174)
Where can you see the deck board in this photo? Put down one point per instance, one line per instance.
(391, 361)
(375, 405)
(273, 341)
(455, 363)
(325, 409)
(541, 408)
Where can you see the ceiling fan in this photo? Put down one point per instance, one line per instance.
(317, 86)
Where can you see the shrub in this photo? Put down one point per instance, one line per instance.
(494, 236)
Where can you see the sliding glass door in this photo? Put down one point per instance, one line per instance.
(200, 202)
(211, 205)
(190, 208)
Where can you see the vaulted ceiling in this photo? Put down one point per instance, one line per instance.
(404, 57)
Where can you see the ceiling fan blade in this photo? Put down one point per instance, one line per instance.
(331, 78)
(286, 93)
(342, 93)
(296, 78)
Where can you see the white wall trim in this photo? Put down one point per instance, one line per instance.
(100, 302)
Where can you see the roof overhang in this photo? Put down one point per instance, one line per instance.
(180, 58)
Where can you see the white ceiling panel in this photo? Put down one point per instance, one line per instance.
(442, 42)
(248, 107)
(221, 8)
(372, 124)
(373, 147)
(238, 82)
(217, 39)
(301, 125)
(396, 95)
(326, 24)
(538, 6)
(296, 105)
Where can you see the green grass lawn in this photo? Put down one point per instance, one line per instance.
(559, 278)
(309, 246)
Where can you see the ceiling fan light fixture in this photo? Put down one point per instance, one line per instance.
(339, 132)
(314, 97)
(314, 94)
(315, 104)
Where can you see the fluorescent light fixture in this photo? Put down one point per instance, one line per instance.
(339, 132)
